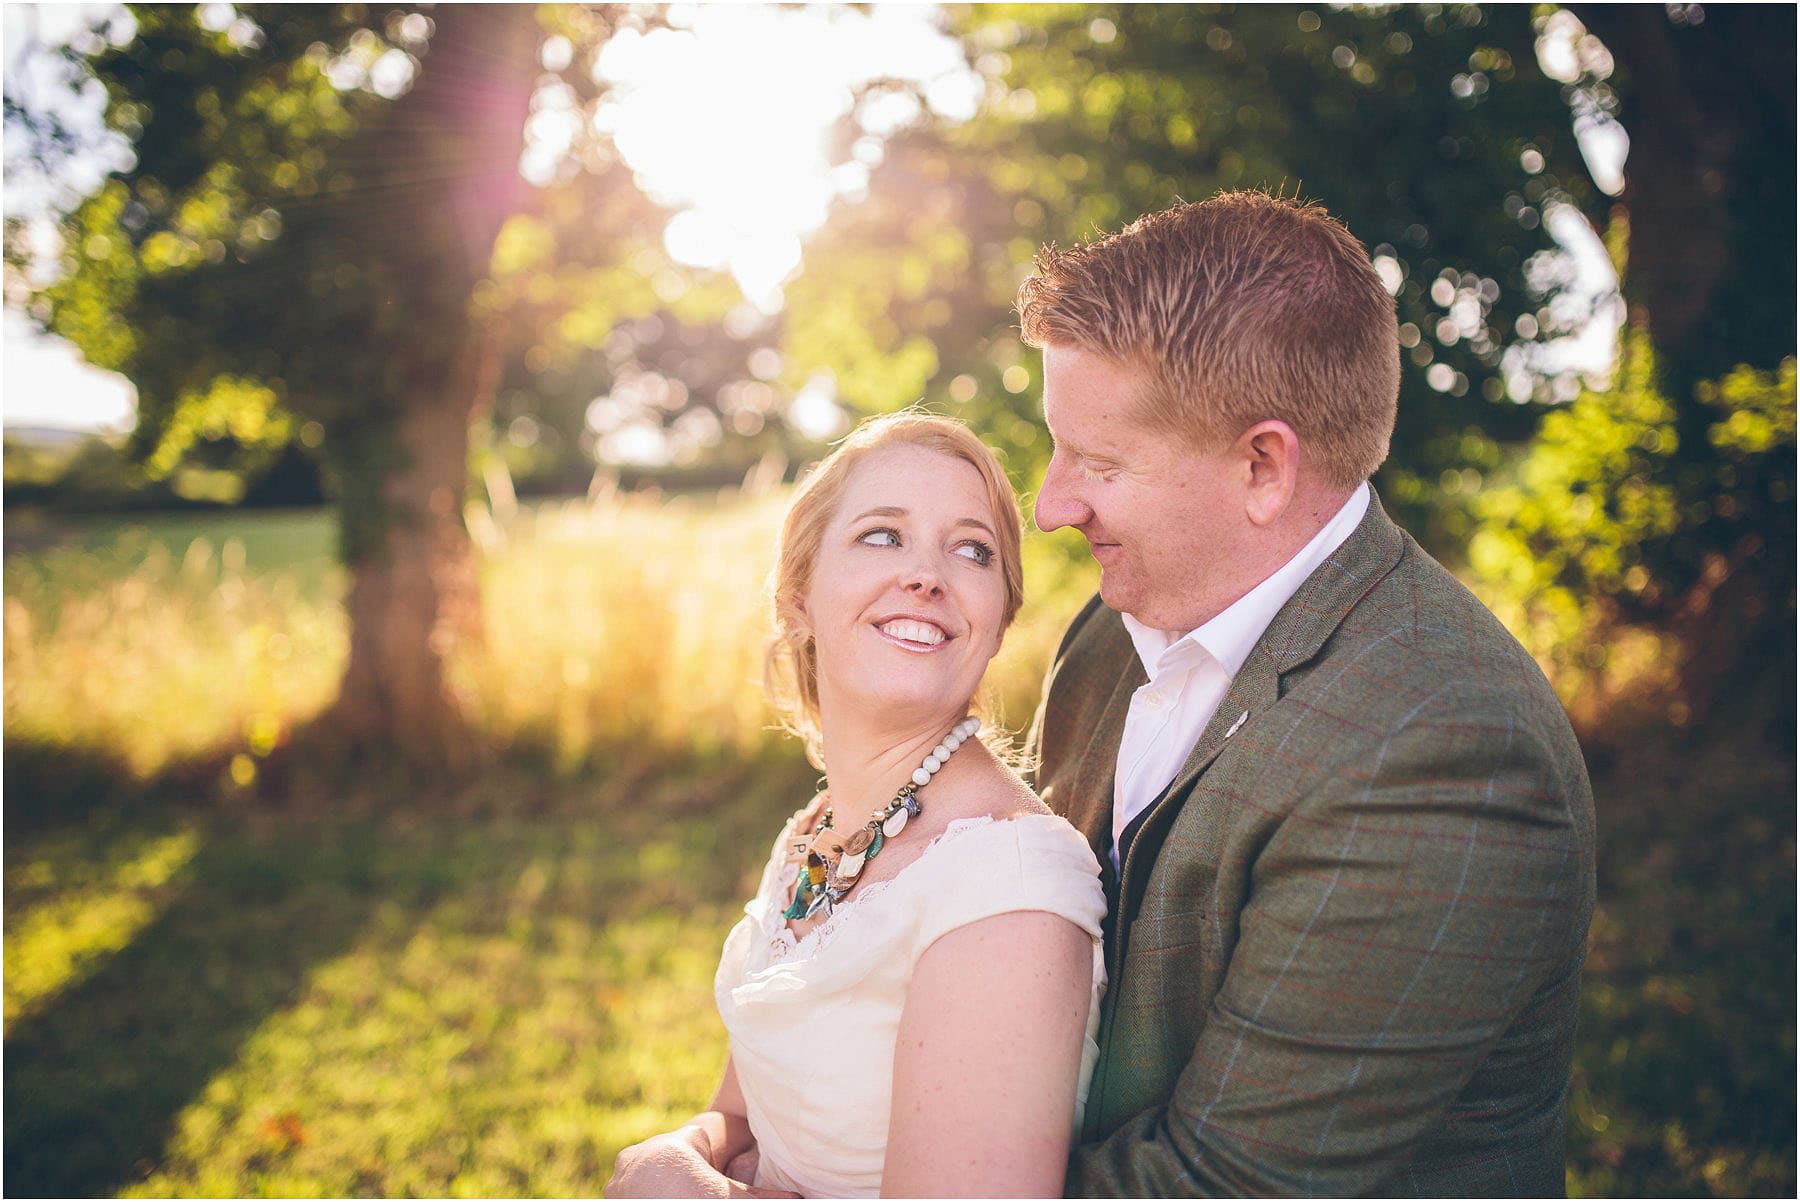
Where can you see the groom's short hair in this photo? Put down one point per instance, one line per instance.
(1243, 308)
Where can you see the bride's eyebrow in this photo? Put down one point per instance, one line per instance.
(896, 511)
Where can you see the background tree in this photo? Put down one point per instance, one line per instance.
(1430, 131)
(1668, 500)
(312, 239)
(1436, 135)
(283, 246)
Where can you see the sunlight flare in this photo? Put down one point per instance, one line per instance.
(727, 115)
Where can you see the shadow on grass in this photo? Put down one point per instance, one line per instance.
(100, 1068)
(96, 1073)
(93, 1081)
(489, 989)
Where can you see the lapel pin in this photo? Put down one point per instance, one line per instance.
(1242, 718)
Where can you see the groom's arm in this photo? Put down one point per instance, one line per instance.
(1397, 923)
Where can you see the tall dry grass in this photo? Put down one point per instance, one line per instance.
(633, 627)
(643, 623)
(143, 657)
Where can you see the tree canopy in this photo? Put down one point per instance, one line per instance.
(323, 235)
(1435, 133)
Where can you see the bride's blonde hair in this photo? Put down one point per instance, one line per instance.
(790, 670)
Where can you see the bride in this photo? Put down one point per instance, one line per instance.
(912, 994)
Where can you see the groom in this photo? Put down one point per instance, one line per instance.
(1344, 827)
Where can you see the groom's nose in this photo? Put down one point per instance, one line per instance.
(1058, 503)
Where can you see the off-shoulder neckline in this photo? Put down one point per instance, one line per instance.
(782, 937)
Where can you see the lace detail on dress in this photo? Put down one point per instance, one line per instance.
(784, 946)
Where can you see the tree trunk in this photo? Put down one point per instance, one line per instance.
(1709, 108)
(440, 176)
(415, 605)
(1707, 98)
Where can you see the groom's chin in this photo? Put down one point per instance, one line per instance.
(1115, 592)
(1119, 595)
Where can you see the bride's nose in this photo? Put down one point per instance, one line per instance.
(921, 580)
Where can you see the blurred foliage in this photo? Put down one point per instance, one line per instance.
(1684, 1070)
(301, 244)
(95, 472)
(90, 472)
(1430, 130)
(1435, 134)
(1597, 512)
(268, 252)
(696, 390)
(1609, 521)
(239, 968)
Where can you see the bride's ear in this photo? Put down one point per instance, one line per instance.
(798, 617)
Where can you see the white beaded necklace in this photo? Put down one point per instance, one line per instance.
(830, 864)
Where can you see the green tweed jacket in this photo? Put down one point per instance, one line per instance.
(1345, 951)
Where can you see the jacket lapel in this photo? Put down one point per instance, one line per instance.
(1295, 636)
(1092, 811)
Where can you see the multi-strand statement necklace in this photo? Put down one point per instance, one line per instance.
(831, 863)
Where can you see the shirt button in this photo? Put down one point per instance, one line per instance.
(1154, 700)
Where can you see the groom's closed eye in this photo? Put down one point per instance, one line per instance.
(1099, 468)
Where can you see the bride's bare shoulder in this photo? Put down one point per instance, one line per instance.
(1000, 793)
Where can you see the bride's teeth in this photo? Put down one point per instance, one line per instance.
(913, 632)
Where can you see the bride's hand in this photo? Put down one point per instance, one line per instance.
(743, 1165)
(672, 1165)
(675, 1165)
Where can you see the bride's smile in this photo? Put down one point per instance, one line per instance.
(914, 634)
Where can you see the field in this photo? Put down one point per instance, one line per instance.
(344, 984)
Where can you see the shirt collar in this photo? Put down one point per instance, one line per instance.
(1231, 635)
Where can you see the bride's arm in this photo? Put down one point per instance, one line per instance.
(690, 1161)
(726, 1130)
(986, 1061)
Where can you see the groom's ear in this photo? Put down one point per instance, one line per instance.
(1270, 454)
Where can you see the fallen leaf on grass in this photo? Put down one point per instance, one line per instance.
(284, 1129)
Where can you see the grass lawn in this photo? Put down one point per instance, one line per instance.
(481, 995)
(300, 543)
(492, 992)
(369, 989)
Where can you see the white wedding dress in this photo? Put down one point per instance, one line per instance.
(813, 1021)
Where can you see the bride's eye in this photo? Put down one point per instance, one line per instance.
(977, 550)
(881, 536)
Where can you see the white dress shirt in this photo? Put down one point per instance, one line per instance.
(1190, 673)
